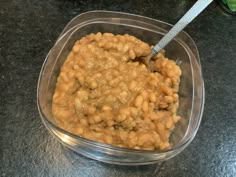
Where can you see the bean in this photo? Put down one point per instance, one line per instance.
(110, 123)
(152, 97)
(106, 108)
(169, 99)
(76, 67)
(98, 135)
(176, 97)
(125, 48)
(176, 119)
(90, 121)
(144, 94)
(153, 83)
(157, 138)
(93, 85)
(108, 35)
(76, 48)
(62, 113)
(132, 139)
(97, 119)
(80, 130)
(123, 135)
(132, 85)
(114, 82)
(119, 46)
(145, 106)
(91, 109)
(64, 77)
(108, 45)
(169, 123)
(124, 58)
(123, 95)
(133, 111)
(138, 101)
(134, 74)
(144, 138)
(82, 95)
(123, 86)
(164, 145)
(102, 95)
(108, 139)
(81, 78)
(84, 122)
(98, 36)
(131, 54)
(120, 117)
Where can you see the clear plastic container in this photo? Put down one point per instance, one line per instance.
(151, 31)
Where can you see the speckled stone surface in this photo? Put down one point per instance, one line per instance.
(28, 30)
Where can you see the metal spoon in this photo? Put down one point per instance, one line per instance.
(195, 10)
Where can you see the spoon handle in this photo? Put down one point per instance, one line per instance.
(196, 9)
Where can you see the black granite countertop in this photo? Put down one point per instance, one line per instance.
(28, 30)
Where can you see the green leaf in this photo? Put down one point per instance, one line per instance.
(231, 4)
(224, 1)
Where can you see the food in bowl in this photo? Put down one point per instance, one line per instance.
(103, 93)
